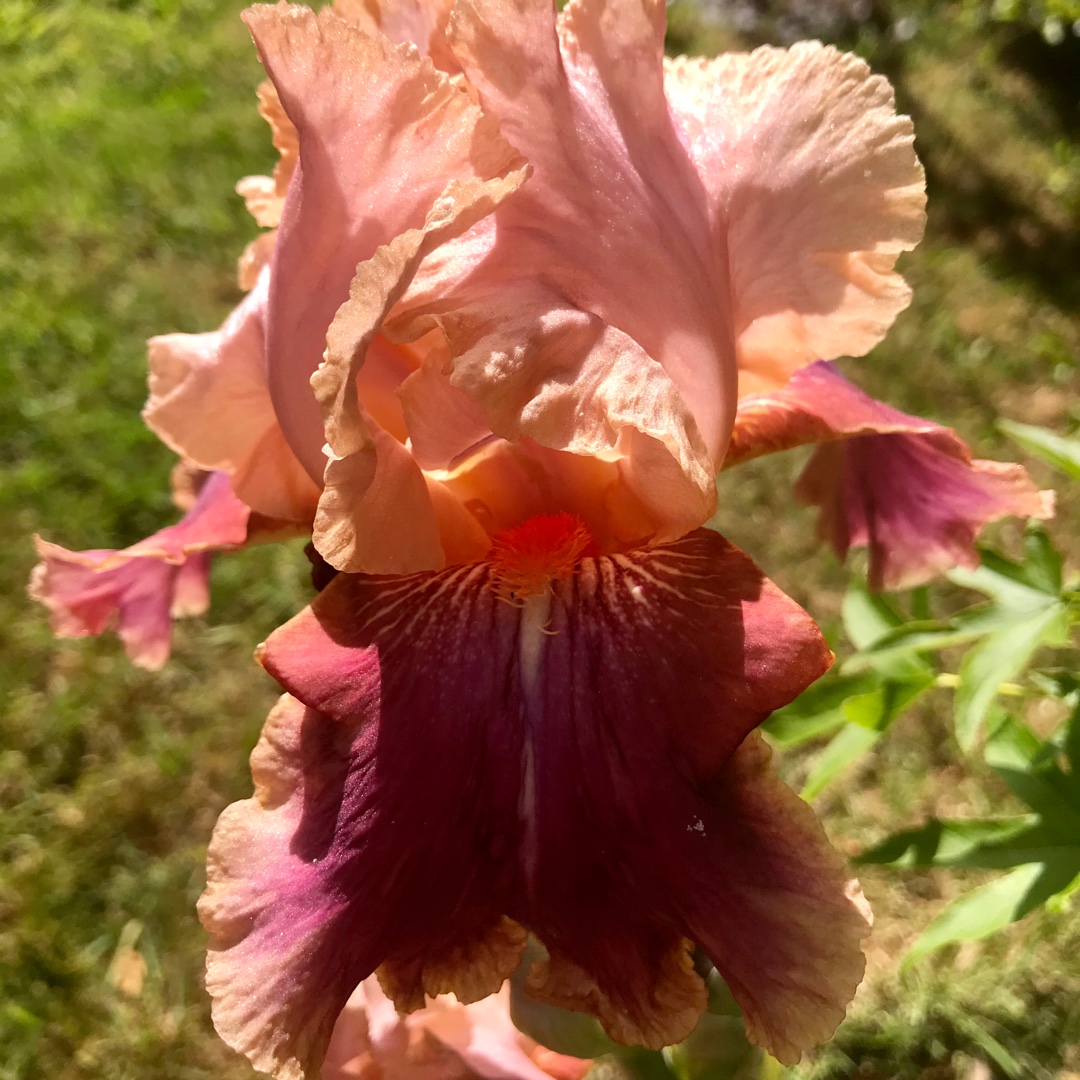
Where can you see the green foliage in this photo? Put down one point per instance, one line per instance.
(1043, 846)
(123, 130)
(558, 1029)
(1029, 607)
(1009, 656)
(1054, 19)
(1056, 450)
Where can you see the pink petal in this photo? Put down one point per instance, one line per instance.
(333, 869)
(577, 385)
(813, 180)
(903, 487)
(916, 504)
(444, 422)
(787, 934)
(376, 513)
(614, 218)
(496, 485)
(210, 402)
(84, 601)
(142, 588)
(385, 141)
(191, 587)
(572, 763)
(422, 22)
(444, 1040)
(484, 1037)
(256, 256)
(265, 195)
(217, 521)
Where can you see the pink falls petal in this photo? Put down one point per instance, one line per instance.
(813, 180)
(141, 589)
(385, 141)
(85, 601)
(337, 867)
(915, 504)
(571, 762)
(907, 489)
(787, 933)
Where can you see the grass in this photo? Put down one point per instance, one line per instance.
(126, 125)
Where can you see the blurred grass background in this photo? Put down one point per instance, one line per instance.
(123, 128)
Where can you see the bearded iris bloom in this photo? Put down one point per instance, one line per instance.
(524, 297)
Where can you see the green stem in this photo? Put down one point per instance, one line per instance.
(1008, 689)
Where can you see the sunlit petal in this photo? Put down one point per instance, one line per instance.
(567, 757)
(141, 589)
(813, 179)
(210, 402)
(387, 144)
(905, 488)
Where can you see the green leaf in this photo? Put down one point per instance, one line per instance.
(996, 660)
(930, 636)
(786, 730)
(846, 747)
(867, 616)
(992, 1048)
(878, 708)
(1030, 769)
(992, 907)
(951, 843)
(560, 1030)
(1071, 743)
(1011, 584)
(982, 912)
(818, 710)
(1056, 450)
(870, 619)
(1042, 561)
(1058, 683)
(717, 1049)
(864, 717)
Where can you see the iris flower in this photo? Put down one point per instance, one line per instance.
(524, 297)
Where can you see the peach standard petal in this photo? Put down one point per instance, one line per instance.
(600, 266)
(543, 370)
(422, 22)
(387, 144)
(265, 195)
(813, 181)
(210, 402)
(762, 197)
(614, 219)
(905, 488)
